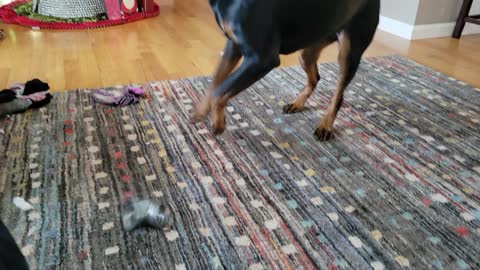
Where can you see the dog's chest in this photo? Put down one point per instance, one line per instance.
(224, 11)
(225, 26)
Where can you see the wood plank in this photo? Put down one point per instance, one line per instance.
(183, 41)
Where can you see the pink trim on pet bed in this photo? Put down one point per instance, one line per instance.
(8, 15)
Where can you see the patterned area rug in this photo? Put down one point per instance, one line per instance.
(397, 188)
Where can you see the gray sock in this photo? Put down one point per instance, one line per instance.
(14, 106)
(148, 213)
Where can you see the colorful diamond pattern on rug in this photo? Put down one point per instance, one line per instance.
(397, 188)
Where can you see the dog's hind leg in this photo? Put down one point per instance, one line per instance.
(230, 58)
(356, 38)
(308, 60)
(348, 61)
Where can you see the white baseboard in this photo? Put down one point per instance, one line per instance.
(396, 27)
(441, 30)
(412, 32)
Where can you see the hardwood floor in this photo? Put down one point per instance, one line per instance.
(183, 41)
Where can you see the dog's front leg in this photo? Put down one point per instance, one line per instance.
(252, 69)
(230, 58)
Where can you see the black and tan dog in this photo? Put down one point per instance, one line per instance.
(261, 30)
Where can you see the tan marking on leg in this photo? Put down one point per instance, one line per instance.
(228, 30)
(325, 128)
(224, 69)
(218, 114)
(308, 60)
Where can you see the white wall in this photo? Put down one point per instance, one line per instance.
(401, 10)
(441, 11)
(418, 19)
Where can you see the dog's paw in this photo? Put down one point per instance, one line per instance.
(197, 117)
(292, 108)
(323, 134)
(218, 127)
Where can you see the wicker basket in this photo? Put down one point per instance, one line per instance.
(70, 8)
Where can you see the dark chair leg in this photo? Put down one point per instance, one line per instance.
(467, 5)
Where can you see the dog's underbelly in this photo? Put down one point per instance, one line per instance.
(290, 43)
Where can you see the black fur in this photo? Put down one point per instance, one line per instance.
(7, 95)
(262, 30)
(35, 86)
(10, 255)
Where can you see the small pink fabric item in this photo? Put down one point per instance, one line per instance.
(18, 88)
(113, 9)
(35, 97)
(136, 91)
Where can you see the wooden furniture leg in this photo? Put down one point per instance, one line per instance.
(463, 18)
